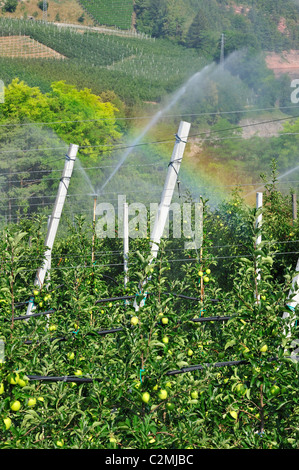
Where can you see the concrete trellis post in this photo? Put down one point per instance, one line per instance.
(55, 218)
(166, 197)
(294, 206)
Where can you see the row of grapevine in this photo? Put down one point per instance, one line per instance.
(132, 67)
(116, 13)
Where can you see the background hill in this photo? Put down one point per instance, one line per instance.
(139, 55)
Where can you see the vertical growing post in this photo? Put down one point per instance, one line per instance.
(93, 226)
(166, 197)
(126, 242)
(259, 204)
(294, 206)
(55, 218)
(294, 296)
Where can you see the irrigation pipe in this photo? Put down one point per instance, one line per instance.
(66, 378)
(183, 370)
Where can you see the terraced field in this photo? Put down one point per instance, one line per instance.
(26, 48)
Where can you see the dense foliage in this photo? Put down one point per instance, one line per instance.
(252, 24)
(141, 393)
(31, 154)
(208, 360)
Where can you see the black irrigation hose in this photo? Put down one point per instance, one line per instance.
(67, 378)
(111, 299)
(203, 319)
(201, 367)
(29, 341)
(114, 330)
(219, 364)
(24, 317)
(171, 372)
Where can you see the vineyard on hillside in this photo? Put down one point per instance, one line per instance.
(95, 59)
(117, 13)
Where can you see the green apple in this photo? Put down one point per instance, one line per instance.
(60, 443)
(35, 292)
(206, 279)
(164, 320)
(234, 414)
(165, 340)
(110, 305)
(78, 372)
(263, 297)
(274, 390)
(52, 327)
(13, 378)
(15, 406)
(246, 352)
(200, 273)
(1, 388)
(240, 389)
(32, 402)
(145, 397)
(194, 394)
(155, 387)
(7, 422)
(264, 348)
(170, 406)
(208, 271)
(190, 352)
(162, 394)
(41, 304)
(134, 321)
(71, 356)
(23, 382)
(112, 440)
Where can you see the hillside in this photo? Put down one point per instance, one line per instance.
(116, 13)
(69, 11)
(196, 23)
(143, 73)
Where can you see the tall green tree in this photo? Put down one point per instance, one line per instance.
(77, 116)
(199, 34)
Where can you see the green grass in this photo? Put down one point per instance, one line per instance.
(116, 13)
